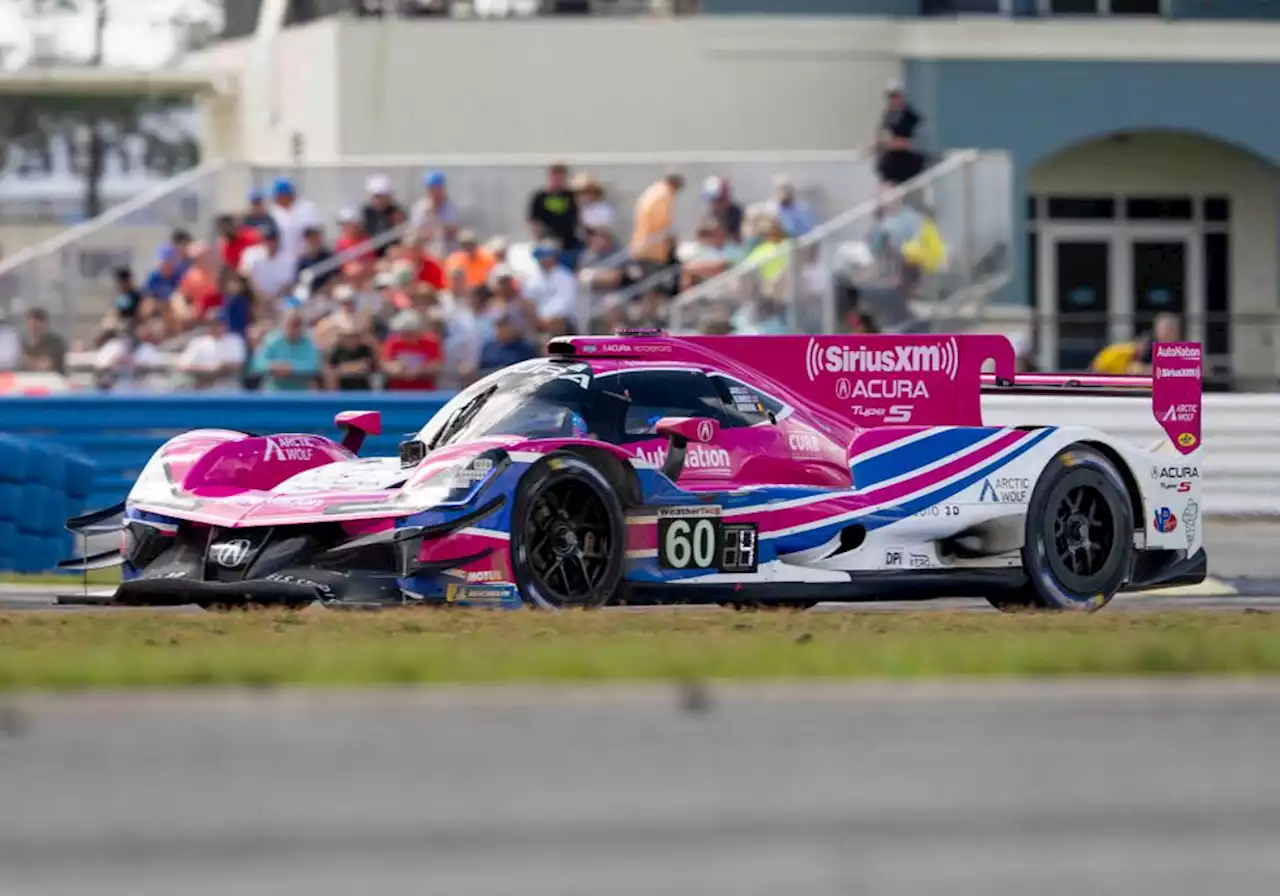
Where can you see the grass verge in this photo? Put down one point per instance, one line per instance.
(140, 649)
(97, 578)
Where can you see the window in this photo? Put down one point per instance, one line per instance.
(655, 394)
(743, 405)
(1081, 208)
(1159, 208)
(1217, 209)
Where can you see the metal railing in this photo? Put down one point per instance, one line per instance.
(879, 257)
(69, 275)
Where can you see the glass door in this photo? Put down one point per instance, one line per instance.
(1163, 273)
(1078, 292)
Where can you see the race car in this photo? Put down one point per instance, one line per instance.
(640, 468)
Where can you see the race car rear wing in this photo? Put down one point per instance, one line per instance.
(1174, 386)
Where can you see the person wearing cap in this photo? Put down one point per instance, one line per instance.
(508, 346)
(553, 211)
(215, 358)
(897, 158)
(291, 216)
(268, 269)
(794, 216)
(412, 355)
(435, 215)
(164, 277)
(287, 360)
(553, 290)
(380, 212)
(718, 196)
(351, 362)
(472, 259)
(655, 220)
(199, 291)
(594, 212)
(257, 215)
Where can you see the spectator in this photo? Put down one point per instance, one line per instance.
(553, 290)
(474, 261)
(129, 356)
(594, 213)
(10, 343)
(794, 215)
(182, 244)
(165, 276)
(288, 360)
(215, 358)
(351, 233)
(258, 215)
(507, 346)
(198, 292)
(128, 297)
(770, 256)
(292, 216)
(234, 237)
(712, 254)
(468, 325)
(497, 247)
(435, 216)
(553, 211)
(42, 350)
(897, 158)
(314, 255)
(1165, 328)
(351, 362)
(381, 213)
(269, 270)
(604, 266)
(720, 205)
(654, 220)
(237, 304)
(411, 356)
(413, 255)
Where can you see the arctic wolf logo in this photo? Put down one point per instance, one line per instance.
(938, 358)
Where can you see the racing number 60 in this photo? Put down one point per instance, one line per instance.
(689, 544)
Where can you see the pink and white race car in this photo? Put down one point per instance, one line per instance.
(744, 470)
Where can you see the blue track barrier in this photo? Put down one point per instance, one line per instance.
(63, 454)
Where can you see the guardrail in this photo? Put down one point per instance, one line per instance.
(84, 451)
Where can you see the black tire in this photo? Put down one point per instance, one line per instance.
(568, 535)
(1078, 551)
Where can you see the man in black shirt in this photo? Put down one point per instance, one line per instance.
(314, 254)
(381, 212)
(553, 211)
(898, 159)
(128, 298)
(351, 362)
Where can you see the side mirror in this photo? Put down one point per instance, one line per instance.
(355, 425)
(680, 431)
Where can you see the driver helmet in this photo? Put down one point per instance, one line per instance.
(578, 425)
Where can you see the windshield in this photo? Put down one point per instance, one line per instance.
(536, 399)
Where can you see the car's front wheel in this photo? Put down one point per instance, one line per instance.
(1078, 550)
(568, 535)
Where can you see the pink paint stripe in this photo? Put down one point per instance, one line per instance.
(644, 537)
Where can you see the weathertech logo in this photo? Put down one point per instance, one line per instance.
(1190, 352)
(943, 358)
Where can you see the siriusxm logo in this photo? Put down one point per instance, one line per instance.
(938, 358)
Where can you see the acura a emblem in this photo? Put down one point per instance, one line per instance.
(230, 554)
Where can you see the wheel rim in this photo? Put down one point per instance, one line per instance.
(1083, 537)
(567, 530)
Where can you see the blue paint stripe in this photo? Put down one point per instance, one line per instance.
(646, 570)
(917, 454)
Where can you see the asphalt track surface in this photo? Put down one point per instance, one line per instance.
(1244, 574)
(968, 790)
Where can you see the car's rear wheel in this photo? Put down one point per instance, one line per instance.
(568, 535)
(1078, 551)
